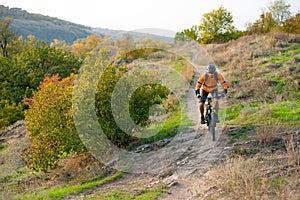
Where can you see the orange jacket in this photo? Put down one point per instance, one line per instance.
(211, 83)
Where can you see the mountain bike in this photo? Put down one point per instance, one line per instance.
(211, 115)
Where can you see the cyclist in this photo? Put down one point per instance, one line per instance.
(209, 82)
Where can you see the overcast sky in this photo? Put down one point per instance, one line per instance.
(173, 15)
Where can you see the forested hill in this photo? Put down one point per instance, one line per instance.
(44, 27)
(47, 28)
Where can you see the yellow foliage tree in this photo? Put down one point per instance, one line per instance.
(50, 124)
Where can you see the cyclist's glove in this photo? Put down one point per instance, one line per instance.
(197, 93)
(225, 91)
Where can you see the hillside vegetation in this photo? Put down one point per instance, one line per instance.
(70, 105)
(264, 76)
(262, 118)
(262, 123)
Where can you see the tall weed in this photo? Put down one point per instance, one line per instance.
(292, 145)
(267, 132)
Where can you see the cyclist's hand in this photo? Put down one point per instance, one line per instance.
(225, 91)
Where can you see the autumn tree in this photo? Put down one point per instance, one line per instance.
(78, 50)
(60, 45)
(278, 18)
(292, 25)
(91, 42)
(82, 47)
(187, 34)
(217, 26)
(124, 45)
(280, 11)
(263, 25)
(50, 124)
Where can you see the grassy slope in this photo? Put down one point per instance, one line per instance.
(264, 76)
(263, 109)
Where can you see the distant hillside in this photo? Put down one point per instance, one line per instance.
(48, 28)
(44, 27)
(139, 35)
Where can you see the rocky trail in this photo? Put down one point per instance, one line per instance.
(188, 171)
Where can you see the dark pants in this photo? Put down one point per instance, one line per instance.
(214, 94)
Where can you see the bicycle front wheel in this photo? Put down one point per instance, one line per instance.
(212, 126)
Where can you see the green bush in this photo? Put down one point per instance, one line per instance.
(140, 100)
(104, 112)
(9, 113)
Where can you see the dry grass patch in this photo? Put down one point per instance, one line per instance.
(255, 178)
(188, 72)
(267, 132)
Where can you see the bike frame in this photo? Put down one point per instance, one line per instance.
(210, 117)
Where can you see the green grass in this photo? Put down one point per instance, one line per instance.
(175, 77)
(279, 83)
(286, 55)
(288, 113)
(178, 116)
(281, 57)
(175, 120)
(177, 65)
(123, 195)
(233, 112)
(241, 133)
(19, 174)
(240, 113)
(283, 85)
(294, 49)
(3, 146)
(59, 193)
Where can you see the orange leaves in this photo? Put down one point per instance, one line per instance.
(47, 80)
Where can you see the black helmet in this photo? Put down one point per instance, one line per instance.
(211, 68)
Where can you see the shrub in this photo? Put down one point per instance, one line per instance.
(9, 113)
(138, 106)
(50, 124)
(104, 112)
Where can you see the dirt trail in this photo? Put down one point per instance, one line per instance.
(185, 175)
(187, 172)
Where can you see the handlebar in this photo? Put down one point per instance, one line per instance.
(219, 97)
(222, 95)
